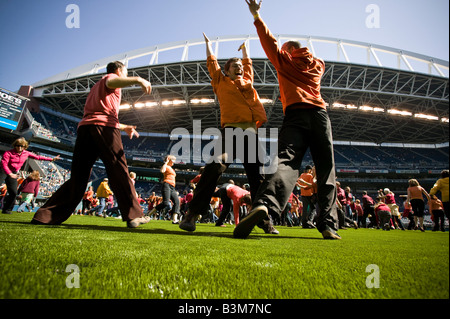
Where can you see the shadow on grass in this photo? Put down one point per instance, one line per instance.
(143, 230)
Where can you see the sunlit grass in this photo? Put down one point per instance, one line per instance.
(158, 260)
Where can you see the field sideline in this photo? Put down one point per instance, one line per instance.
(160, 261)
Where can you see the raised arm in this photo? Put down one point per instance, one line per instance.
(122, 82)
(244, 49)
(254, 7)
(209, 50)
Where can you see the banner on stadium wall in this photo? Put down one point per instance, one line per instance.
(144, 159)
(407, 171)
(11, 108)
(347, 170)
(377, 171)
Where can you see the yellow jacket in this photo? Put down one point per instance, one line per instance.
(442, 186)
(103, 190)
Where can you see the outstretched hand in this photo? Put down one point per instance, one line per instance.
(206, 38)
(253, 6)
(131, 131)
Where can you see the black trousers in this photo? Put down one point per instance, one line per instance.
(227, 205)
(169, 193)
(217, 165)
(303, 129)
(11, 187)
(93, 142)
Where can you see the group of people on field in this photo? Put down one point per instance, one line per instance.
(306, 125)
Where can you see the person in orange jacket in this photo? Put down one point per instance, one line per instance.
(240, 108)
(306, 125)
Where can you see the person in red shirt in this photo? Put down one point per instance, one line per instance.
(99, 136)
(368, 208)
(359, 212)
(384, 214)
(29, 190)
(232, 196)
(306, 125)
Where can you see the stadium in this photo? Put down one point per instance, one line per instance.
(389, 110)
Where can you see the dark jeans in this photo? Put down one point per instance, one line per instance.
(438, 216)
(226, 202)
(309, 212)
(303, 129)
(212, 172)
(169, 193)
(11, 186)
(93, 142)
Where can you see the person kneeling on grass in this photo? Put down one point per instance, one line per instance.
(232, 195)
(384, 214)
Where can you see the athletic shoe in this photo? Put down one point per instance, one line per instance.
(245, 227)
(328, 234)
(269, 229)
(188, 222)
(138, 221)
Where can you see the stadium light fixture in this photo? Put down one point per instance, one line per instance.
(339, 105)
(426, 117)
(139, 105)
(179, 102)
(444, 120)
(202, 101)
(398, 112)
(266, 101)
(151, 104)
(124, 107)
(366, 108)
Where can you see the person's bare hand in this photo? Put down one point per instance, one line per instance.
(254, 6)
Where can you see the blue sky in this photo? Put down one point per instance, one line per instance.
(37, 44)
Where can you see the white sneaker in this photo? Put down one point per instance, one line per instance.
(138, 221)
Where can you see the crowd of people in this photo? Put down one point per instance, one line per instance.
(268, 200)
(382, 211)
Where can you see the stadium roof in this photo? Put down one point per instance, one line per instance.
(374, 93)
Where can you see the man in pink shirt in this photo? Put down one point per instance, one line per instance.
(99, 136)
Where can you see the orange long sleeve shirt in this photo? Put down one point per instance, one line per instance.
(239, 102)
(299, 74)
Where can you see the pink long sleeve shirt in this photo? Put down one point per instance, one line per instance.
(13, 161)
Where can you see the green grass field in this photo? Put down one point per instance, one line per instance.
(158, 260)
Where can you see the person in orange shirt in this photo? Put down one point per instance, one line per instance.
(306, 125)
(169, 193)
(306, 182)
(415, 197)
(437, 210)
(240, 108)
